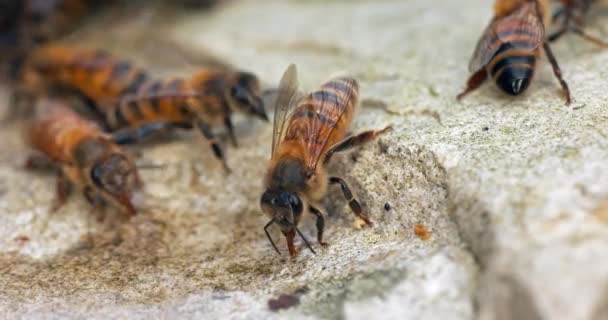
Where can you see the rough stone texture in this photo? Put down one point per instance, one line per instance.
(513, 191)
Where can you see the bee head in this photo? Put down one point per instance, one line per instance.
(284, 207)
(245, 95)
(116, 176)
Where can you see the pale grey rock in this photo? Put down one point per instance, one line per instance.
(513, 191)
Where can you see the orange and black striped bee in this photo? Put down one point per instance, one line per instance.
(94, 75)
(511, 46)
(134, 105)
(303, 143)
(86, 156)
(573, 14)
(206, 99)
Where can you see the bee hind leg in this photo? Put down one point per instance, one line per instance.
(354, 141)
(354, 205)
(558, 72)
(475, 81)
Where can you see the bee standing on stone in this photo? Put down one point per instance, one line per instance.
(87, 158)
(303, 143)
(510, 47)
(205, 100)
(573, 14)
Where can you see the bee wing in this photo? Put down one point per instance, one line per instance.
(523, 26)
(287, 96)
(317, 128)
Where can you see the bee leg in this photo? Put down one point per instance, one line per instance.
(63, 188)
(230, 129)
(354, 141)
(39, 162)
(584, 35)
(564, 27)
(320, 224)
(475, 81)
(289, 236)
(89, 195)
(217, 150)
(354, 205)
(558, 13)
(92, 107)
(135, 135)
(557, 34)
(21, 105)
(557, 71)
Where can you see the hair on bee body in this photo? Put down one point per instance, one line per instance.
(510, 47)
(86, 157)
(307, 131)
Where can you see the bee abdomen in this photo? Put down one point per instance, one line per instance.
(330, 107)
(513, 68)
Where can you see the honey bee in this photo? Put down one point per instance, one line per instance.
(86, 156)
(573, 14)
(510, 46)
(303, 143)
(206, 99)
(94, 75)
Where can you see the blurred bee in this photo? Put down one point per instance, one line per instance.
(44, 20)
(303, 143)
(510, 47)
(93, 75)
(87, 158)
(205, 100)
(573, 14)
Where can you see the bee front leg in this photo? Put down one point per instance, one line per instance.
(39, 162)
(63, 189)
(354, 205)
(217, 149)
(230, 129)
(320, 224)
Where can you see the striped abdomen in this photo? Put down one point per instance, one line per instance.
(154, 101)
(95, 73)
(177, 101)
(512, 66)
(333, 106)
(58, 131)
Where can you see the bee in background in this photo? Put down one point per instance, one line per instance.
(87, 158)
(510, 47)
(205, 100)
(573, 14)
(95, 76)
(303, 143)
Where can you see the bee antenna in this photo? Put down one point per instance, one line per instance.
(269, 237)
(304, 238)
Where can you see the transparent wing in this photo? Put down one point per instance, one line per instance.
(523, 28)
(285, 101)
(325, 119)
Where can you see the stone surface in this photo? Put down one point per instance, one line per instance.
(513, 191)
